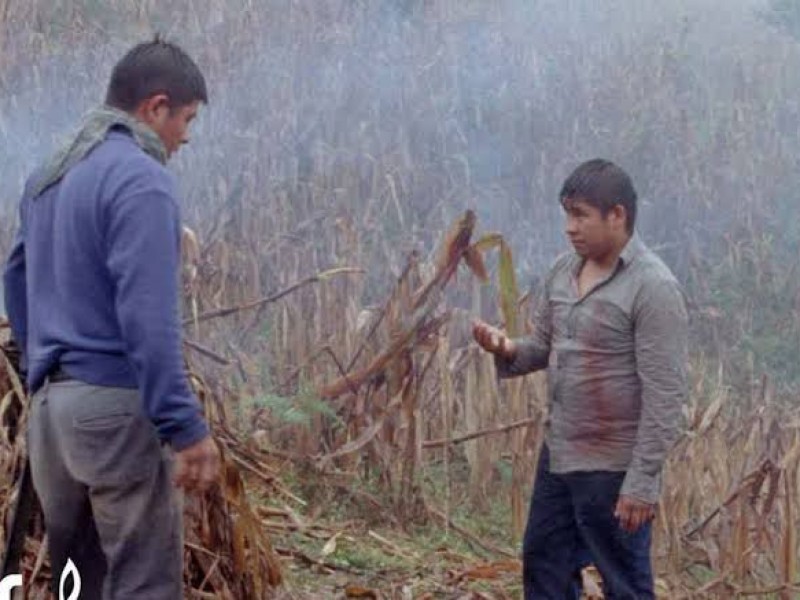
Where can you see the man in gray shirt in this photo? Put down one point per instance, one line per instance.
(611, 327)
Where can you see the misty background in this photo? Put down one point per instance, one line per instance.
(347, 132)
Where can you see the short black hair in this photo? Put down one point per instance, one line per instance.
(602, 184)
(156, 67)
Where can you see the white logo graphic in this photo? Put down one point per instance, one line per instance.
(9, 583)
(70, 570)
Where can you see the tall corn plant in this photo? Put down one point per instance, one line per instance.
(517, 394)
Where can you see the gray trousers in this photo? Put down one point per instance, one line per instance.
(105, 485)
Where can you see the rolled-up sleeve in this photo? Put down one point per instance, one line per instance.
(533, 351)
(661, 344)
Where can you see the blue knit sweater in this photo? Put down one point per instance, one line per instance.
(92, 284)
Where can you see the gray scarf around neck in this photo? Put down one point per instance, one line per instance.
(93, 131)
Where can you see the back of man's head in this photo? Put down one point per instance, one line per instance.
(156, 67)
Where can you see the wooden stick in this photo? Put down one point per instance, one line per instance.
(468, 535)
(480, 433)
(746, 482)
(303, 557)
(208, 353)
(224, 312)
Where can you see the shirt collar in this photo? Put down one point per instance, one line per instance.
(632, 249)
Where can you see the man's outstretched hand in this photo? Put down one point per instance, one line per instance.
(493, 340)
(633, 513)
(197, 467)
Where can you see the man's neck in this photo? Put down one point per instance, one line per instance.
(609, 260)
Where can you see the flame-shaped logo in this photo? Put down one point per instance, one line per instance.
(70, 570)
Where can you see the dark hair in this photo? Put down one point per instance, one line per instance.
(602, 184)
(156, 67)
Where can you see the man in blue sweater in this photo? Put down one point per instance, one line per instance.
(92, 292)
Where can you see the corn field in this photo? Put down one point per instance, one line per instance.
(370, 176)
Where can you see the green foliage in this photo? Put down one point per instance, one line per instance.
(295, 410)
(504, 470)
(300, 409)
(751, 317)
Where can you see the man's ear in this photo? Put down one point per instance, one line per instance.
(151, 109)
(619, 214)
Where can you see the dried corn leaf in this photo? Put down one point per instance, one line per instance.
(330, 546)
(356, 591)
(509, 292)
(492, 570)
(474, 260)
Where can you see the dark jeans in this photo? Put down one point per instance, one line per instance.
(105, 484)
(583, 559)
(574, 512)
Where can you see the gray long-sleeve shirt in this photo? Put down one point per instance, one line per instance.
(616, 362)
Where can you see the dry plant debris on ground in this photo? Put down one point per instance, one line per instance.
(386, 504)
